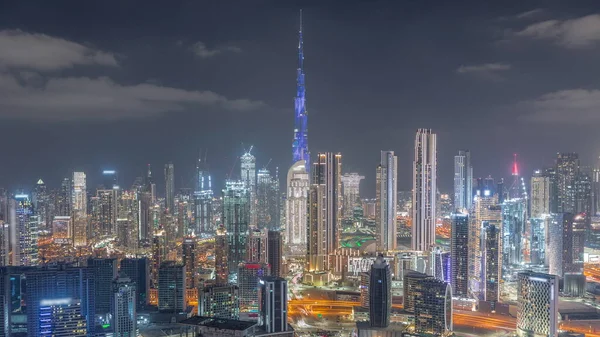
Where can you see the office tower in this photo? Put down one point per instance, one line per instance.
(567, 168)
(273, 304)
(138, 270)
(386, 194)
(275, 253)
(411, 283)
(298, 184)
(513, 232)
(123, 308)
(146, 230)
(351, 188)
(248, 175)
(537, 239)
(159, 253)
(300, 143)
(380, 293)
(492, 269)
(40, 201)
(424, 190)
(203, 196)
(79, 209)
(501, 191)
(171, 287)
(439, 264)
(463, 181)
(596, 189)
(459, 245)
(190, 261)
(566, 243)
(432, 300)
(220, 301)
(104, 272)
(258, 244)
(249, 273)
(64, 201)
(107, 211)
(516, 190)
(267, 200)
(583, 196)
(365, 278)
(61, 317)
(27, 226)
(170, 187)
(236, 218)
(324, 211)
(221, 253)
(485, 208)
(540, 194)
(537, 304)
(110, 180)
(52, 291)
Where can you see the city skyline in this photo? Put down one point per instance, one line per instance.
(193, 58)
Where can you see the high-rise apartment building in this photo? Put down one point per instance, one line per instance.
(540, 195)
(220, 301)
(105, 272)
(432, 300)
(26, 226)
(61, 317)
(514, 213)
(386, 199)
(41, 205)
(298, 184)
(203, 197)
(170, 187)
(424, 190)
(273, 306)
(380, 293)
(324, 211)
(492, 269)
(107, 211)
(567, 169)
(123, 308)
(236, 218)
(537, 304)
(275, 253)
(221, 254)
(249, 273)
(459, 250)
(171, 287)
(351, 188)
(79, 209)
(268, 200)
(258, 244)
(566, 244)
(138, 271)
(248, 175)
(463, 181)
(191, 257)
(485, 208)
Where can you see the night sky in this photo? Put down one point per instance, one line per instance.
(93, 85)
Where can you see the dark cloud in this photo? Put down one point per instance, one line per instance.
(573, 33)
(575, 106)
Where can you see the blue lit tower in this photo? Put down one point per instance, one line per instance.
(300, 144)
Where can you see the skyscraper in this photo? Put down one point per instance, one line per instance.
(221, 253)
(351, 187)
(236, 218)
(463, 181)
(432, 300)
(492, 270)
(540, 194)
(257, 247)
(386, 194)
(171, 287)
(275, 253)
(324, 211)
(41, 207)
(273, 304)
(220, 301)
(296, 204)
(566, 244)
(537, 304)
(249, 273)
(61, 317)
(300, 143)
(64, 201)
(170, 187)
(107, 211)
(380, 293)
(27, 232)
(486, 208)
(190, 261)
(459, 245)
(104, 272)
(424, 190)
(79, 209)
(267, 200)
(123, 308)
(567, 168)
(513, 232)
(138, 270)
(203, 196)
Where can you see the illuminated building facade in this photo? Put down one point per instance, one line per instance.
(540, 195)
(105, 272)
(485, 208)
(123, 308)
(107, 211)
(79, 209)
(273, 297)
(463, 181)
(537, 239)
(300, 142)
(298, 185)
(171, 287)
(170, 187)
(268, 200)
(566, 244)
(424, 190)
(492, 269)
(203, 197)
(249, 273)
(190, 261)
(138, 271)
(257, 246)
(275, 253)
(432, 300)
(351, 187)
(220, 301)
(248, 174)
(41, 205)
(324, 211)
(567, 168)
(537, 304)
(64, 201)
(513, 231)
(236, 218)
(386, 199)
(61, 317)
(380, 293)
(27, 226)
(221, 253)
(459, 250)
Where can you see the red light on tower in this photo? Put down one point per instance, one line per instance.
(515, 168)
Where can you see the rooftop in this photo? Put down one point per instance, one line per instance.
(218, 323)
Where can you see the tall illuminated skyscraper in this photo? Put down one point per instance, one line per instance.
(324, 211)
(567, 169)
(386, 195)
(203, 196)
(463, 181)
(40, 201)
(248, 175)
(220, 301)
(273, 298)
(298, 184)
(300, 143)
(267, 200)
(79, 209)
(221, 254)
(424, 190)
(459, 250)
(123, 307)
(190, 261)
(107, 211)
(236, 218)
(380, 293)
(485, 208)
(171, 287)
(351, 187)
(27, 226)
(513, 232)
(64, 201)
(537, 304)
(170, 187)
(540, 194)
(492, 269)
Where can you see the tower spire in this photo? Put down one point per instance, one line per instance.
(300, 143)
